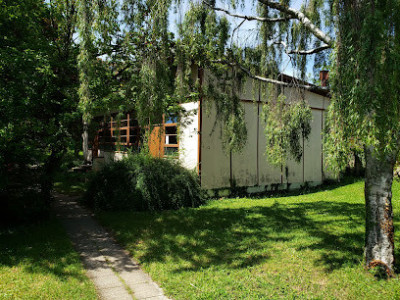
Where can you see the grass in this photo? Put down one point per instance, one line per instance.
(304, 247)
(38, 262)
(70, 183)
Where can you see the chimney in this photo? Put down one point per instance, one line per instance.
(324, 77)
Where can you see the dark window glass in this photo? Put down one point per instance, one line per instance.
(134, 130)
(133, 138)
(170, 130)
(171, 139)
(134, 122)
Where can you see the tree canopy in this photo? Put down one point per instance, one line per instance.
(38, 84)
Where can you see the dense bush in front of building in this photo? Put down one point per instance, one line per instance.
(140, 182)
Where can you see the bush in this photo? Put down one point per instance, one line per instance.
(140, 182)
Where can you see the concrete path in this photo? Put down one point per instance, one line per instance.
(114, 273)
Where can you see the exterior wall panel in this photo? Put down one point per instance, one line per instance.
(267, 173)
(313, 151)
(294, 172)
(315, 100)
(215, 163)
(244, 164)
(188, 136)
(250, 167)
(327, 173)
(250, 90)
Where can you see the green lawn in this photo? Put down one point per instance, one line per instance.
(38, 262)
(72, 184)
(308, 247)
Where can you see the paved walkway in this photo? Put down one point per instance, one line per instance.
(114, 273)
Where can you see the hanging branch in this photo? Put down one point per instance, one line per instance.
(318, 33)
(303, 52)
(248, 18)
(307, 87)
(236, 28)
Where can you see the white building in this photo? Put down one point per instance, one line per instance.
(197, 142)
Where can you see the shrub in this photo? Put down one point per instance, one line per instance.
(140, 182)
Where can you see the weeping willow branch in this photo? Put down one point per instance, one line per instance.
(112, 49)
(307, 87)
(119, 72)
(303, 52)
(237, 27)
(318, 33)
(248, 18)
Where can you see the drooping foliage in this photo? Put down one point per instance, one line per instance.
(129, 43)
(365, 107)
(286, 125)
(97, 26)
(287, 117)
(149, 46)
(209, 39)
(201, 46)
(365, 112)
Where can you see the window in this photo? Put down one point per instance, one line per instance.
(119, 133)
(171, 145)
(124, 132)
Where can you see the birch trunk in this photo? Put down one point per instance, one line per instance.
(379, 230)
(85, 142)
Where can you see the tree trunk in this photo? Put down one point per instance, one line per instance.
(379, 230)
(358, 167)
(51, 165)
(85, 142)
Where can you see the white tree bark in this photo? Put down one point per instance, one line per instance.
(85, 142)
(303, 52)
(379, 231)
(318, 33)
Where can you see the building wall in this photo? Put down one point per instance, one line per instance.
(267, 173)
(244, 164)
(188, 136)
(313, 152)
(250, 168)
(215, 162)
(110, 156)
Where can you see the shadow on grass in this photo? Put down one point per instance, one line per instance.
(41, 248)
(306, 189)
(244, 237)
(70, 183)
